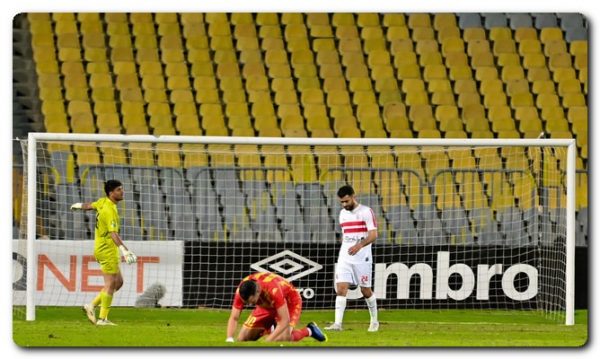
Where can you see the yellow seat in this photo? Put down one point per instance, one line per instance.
(417, 98)
(517, 86)
(425, 46)
(117, 28)
(439, 85)
(474, 118)
(184, 108)
(512, 72)
(460, 73)
(442, 21)
(178, 83)
(538, 74)
(563, 73)
(445, 114)
(577, 113)
(416, 20)
(581, 62)
(468, 98)
(548, 34)
(458, 59)
(102, 107)
(465, 86)
(521, 99)
(443, 98)
(578, 47)
(168, 155)
(547, 100)
(421, 117)
(531, 125)
(557, 125)
(422, 33)
(491, 86)
(82, 122)
(555, 47)
(530, 46)
(525, 33)
(453, 45)
(573, 100)
(476, 47)
(143, 28)
(434, 72)
(560, 60)
(148, 82)
(534, 60)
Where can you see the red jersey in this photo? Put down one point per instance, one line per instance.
(275, 291)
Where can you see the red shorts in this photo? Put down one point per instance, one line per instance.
(262, 318)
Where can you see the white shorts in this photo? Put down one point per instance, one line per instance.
(357, 274)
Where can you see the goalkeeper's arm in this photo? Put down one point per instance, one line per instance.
(81, 206)
(130, 257)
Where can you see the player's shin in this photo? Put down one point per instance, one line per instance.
(105, 305)
(96, 302)
(372, 305)
(340, 307)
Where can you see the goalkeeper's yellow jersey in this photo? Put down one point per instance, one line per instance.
(107, 221)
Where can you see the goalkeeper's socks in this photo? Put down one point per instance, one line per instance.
(372, 305)
(340, 307)
(96, 302)
(105, 305)
(299, 334)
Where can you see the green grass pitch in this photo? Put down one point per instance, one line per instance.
(68, 327)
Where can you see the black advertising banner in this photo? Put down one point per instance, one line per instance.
(403, 276)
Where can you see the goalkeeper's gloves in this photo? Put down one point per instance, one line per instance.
(76, 206)
(130, 257)
(229, 340)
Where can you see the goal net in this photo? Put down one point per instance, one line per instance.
(481, 224)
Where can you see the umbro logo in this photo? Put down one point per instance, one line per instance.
(288, 264)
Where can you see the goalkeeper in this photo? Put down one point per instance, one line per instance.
(107, 244)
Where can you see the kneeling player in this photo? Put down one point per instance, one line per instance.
(277, 303)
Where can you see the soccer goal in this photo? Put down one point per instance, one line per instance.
(469, 223)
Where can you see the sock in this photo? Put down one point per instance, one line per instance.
(96, 302)
(372, 304)
(106, 301)
(340, 307)
(299, 334)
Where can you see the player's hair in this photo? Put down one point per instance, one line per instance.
(110, 186)
(344, 191)
(247, 289)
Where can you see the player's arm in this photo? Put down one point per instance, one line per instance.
(234, 317)
(111, 222)
(129, 256)
(282, 325)
(371, 237)
(85, 206)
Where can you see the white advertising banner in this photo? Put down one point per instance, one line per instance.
(68, 274)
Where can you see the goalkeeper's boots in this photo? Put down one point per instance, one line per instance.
(104, 322)
(88, 309)
(373, 327)
(334, 326)
(316, 332)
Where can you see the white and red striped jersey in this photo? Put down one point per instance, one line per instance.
(355, 226)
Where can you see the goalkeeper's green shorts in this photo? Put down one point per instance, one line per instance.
(109, 263)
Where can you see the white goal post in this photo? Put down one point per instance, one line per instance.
(459, 257)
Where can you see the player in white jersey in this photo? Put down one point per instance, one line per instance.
(355, 261)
